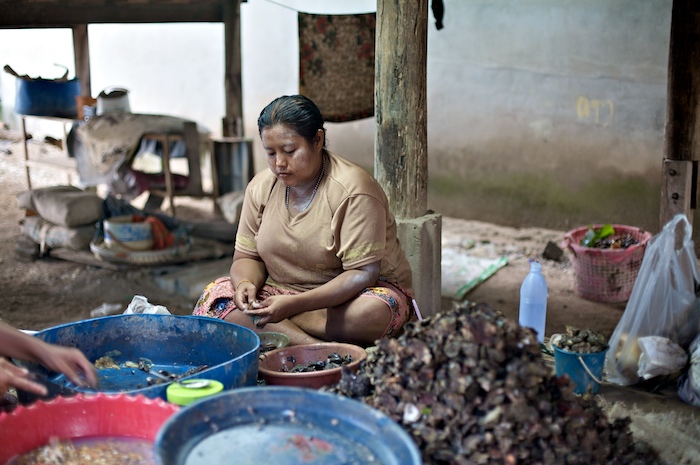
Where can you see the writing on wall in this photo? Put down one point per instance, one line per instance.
(592, 110)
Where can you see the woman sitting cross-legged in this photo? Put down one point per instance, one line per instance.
(316, 254)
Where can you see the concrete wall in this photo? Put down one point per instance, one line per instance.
(549, 112)
(540, 112)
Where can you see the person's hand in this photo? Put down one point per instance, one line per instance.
(71, 362)
(271, 310)
(245, 294)
(19, 378)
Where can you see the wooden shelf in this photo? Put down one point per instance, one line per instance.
(66, 163)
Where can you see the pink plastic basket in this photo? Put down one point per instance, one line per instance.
(606, 275)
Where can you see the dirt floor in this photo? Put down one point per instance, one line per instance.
(36, 294)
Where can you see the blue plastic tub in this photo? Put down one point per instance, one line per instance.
(224, 351)
(283, 426)
(47, 97)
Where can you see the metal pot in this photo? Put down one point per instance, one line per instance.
(113, 100)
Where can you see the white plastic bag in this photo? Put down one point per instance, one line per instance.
(662, 302)
(689, 383)
(660, 357)
(140, 304)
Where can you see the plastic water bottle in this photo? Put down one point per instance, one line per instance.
(533, 301)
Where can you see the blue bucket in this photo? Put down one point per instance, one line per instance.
(584, 370)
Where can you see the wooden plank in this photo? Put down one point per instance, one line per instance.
(65, 164)
(190, 136)
(64, 14)
(401, 162)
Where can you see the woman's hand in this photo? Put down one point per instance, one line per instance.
(247, 273)
(245, 294)
(12, 376)
(272, 310)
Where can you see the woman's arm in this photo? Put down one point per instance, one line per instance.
(340, 289)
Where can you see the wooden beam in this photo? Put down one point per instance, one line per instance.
(682, 133)
(233, 120)
(81, 51)
(32, 13)
(401, 162)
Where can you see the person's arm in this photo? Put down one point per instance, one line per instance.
(67, 360)
(340, 289)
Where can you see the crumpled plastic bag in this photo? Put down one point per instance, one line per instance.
(660, 357)
(689, 383)
(140, 304)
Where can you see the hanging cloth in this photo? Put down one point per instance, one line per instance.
(336, 64)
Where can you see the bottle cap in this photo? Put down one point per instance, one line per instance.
(182, 395)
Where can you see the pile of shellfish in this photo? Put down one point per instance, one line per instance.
(472, 387)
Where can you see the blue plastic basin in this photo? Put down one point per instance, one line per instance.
(46, 97)
(173, 343)
(283, 426)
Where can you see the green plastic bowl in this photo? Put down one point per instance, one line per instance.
(271, 340)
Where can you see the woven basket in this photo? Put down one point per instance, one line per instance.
(606, 275)
(174, 254)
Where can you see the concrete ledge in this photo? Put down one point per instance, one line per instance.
(421, 239)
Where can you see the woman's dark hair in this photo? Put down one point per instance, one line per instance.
(295, 111)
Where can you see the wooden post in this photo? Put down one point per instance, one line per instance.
(81, 52)
(401, 162)
(401, 159)
(682, 134)
(233, 121)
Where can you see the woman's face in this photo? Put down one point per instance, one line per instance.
(292, 158)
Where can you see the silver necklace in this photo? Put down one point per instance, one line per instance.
(313, 193)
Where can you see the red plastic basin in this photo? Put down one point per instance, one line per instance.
(29, 427)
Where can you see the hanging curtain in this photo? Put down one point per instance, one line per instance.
(336, 64)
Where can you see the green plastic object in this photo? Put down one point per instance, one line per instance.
(182, 395)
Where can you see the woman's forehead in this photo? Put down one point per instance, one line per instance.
(280, 131)
(280, 134)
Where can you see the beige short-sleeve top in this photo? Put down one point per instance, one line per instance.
(347, 225)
